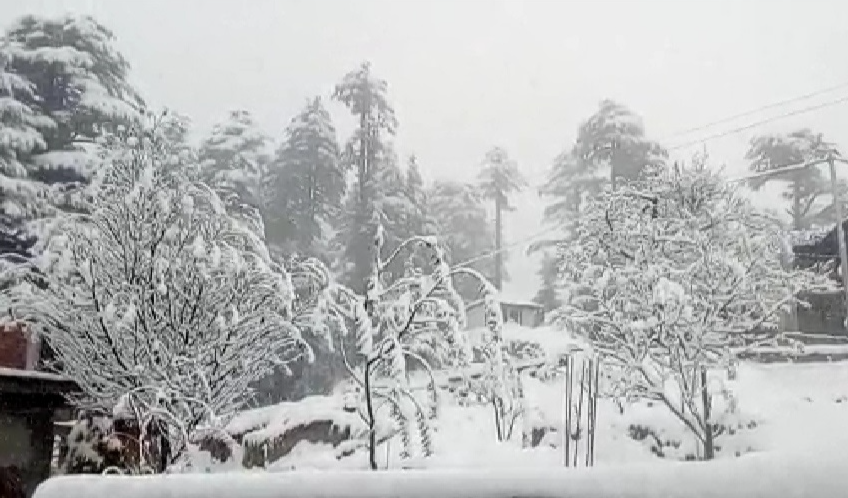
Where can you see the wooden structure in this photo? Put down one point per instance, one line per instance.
(820, 249)
(29, 403)
(525, 313)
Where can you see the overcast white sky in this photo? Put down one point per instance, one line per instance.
(465, 75)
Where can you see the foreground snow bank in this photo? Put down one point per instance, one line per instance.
(753, 476)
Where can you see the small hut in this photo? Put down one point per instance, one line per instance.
(518, 311)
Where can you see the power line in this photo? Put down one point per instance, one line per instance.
(755, 124)
(703, 140)
(506, 247)
(757, 110)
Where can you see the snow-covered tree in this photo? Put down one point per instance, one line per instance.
(611, 147)
(413, 322)
(308, 183)
(400, 208)
(803, 187)
(420, 218)
(614, 139)
(498, 180)
(459, 213)
(20, 139)
(235, 160)
(79, 79)
(158, 295)
(500, 385)
(548, 293)
(175, 127)
(670, 278)
(367, 152)
(63, 85)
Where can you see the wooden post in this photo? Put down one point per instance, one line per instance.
(840, 235)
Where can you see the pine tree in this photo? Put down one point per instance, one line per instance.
(420, 222)
(499, 179)
(611, 147)
(396, 208)
(547, 295)
(614, 138)
(367, 99)
(175, 128)
(64, 86)
(79, 81)
(308, 184)
(20, 139)
(462, 224)
(235, 160)
(802, 187)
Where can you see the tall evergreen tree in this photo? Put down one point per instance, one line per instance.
(611, 147)
(235, 159)
(614, 137)
(802, 187)
(420, 221)
(367, 99)
(547, 295)
(64, 86)
(498, 180)
(20, 139)
(308, 184)
(462, 224)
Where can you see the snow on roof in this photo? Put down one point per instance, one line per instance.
(752, 476)
(508, 299)
(806, 237)
(32, 374)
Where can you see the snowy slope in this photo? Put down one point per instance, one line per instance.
(785, 409)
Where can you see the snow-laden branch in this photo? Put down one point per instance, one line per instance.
(668, 277)
(159, 289)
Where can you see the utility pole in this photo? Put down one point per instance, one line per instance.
(840, 233)
(831, 160)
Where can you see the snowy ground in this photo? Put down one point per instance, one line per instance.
(797, 408)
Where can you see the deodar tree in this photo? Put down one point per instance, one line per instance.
(672, 277)
(158, 294)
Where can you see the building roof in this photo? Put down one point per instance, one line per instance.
(507, 301)
(807, 237)
(13, 380)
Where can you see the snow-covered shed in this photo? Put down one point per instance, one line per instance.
(518, 311)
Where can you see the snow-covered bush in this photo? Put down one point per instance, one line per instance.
(669, 277)
(398, 327)
(500, 385)
(159, 294)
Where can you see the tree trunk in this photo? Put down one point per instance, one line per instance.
(498, 242)
(372, 424)
(797, 215)
(365, 134)
(709, 444)
(497, 418)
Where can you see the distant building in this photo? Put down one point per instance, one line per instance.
(820, 249)
(526, 313)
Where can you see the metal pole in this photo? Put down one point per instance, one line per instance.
(840, 234)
